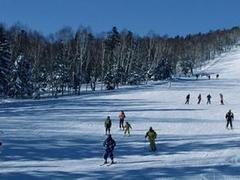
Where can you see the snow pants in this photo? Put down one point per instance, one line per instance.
(121, 121)
(127, 131)
(221, 102)
(229, 122)
(108, 153)
(107, 130)
(152, 145)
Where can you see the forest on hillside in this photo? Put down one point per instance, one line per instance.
(65, 61)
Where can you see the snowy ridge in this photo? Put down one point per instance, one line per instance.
(62, 138)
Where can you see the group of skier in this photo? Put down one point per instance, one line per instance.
(126, 128)
(110, 143)
(209, 97)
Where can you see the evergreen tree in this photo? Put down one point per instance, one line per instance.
(5, 63)
(21, 83)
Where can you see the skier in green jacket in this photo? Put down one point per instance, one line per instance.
(108, 124)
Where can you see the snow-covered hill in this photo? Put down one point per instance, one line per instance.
(227, 65)
(62, 138)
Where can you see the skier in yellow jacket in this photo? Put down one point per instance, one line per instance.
(152, 135)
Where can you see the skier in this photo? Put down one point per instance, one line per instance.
(229, 117)
(187, 99)
(199, 98)
(221, 99)
(217, 76)
(108, 124)
(127, 128)
(109, 144)
(152, 135)
(209, 99)
(121, 119)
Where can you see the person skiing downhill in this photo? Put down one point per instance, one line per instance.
(187, 99)
(221, 99)
(121, 116)
(229, 117)
(209, 99)
(108, 124)
(199, 98)
(109, 144)
(151, 135)
(127, 128)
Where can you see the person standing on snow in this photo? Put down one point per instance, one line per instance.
(221, 99)
(229, 117)
(199, 98)
(108, 124)
(109, 144)
(121, 119)
(187, 99)
(127, 128)
(209, 99)
(151, 135)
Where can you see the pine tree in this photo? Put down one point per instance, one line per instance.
(5, 63)
(21, 83)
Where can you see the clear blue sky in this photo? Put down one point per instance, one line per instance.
(172, 17)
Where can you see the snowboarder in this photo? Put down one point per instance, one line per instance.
(152, 135)
(221, 99)
(127, 128)
(229, 117)
(109, 144)
(121, 119)
(108, 124)
(209, 99)
(217, 76)
(209, 77)
(199, 98)
(187, 99)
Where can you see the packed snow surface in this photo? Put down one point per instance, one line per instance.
(62, 138)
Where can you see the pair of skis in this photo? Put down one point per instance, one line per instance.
(107, 164)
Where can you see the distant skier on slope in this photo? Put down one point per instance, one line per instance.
(199, 98)
(151, 135)
(108, 124)
(209, 99)
(221, 99)
(127, 128)
(187, 99)
(109, 144)
(121, 116)
(229, 117)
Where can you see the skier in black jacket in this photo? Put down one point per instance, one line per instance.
(109, 144)
(209, 99)
(187, 99)
(229, 117)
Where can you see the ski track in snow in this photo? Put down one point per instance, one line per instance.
(62, 138)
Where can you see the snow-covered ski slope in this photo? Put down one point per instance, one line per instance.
(62, 138)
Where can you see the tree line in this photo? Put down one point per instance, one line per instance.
(62, 62)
